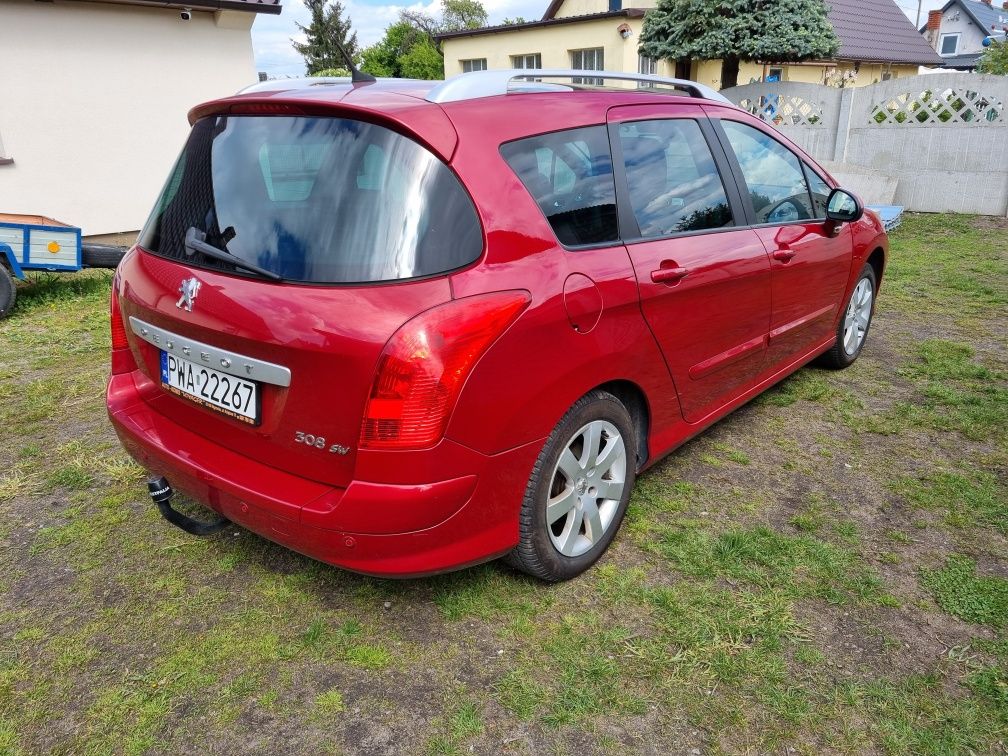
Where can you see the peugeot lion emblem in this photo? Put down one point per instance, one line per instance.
(189, 288)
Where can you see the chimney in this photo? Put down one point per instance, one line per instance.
(935, 18)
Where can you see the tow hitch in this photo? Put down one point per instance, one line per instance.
(161, 493)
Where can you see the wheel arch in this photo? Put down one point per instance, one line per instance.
(877, 260)
(635, 400)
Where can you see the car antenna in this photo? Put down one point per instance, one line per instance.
(356, 75)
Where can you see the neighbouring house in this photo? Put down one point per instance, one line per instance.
(878, 42)
(957, 30)
(94, 96)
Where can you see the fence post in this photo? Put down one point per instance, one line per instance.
(843, 124)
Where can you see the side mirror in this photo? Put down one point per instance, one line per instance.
(843, 207)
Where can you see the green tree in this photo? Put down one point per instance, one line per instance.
(994, 59)
(327, 29)
(410, 48)
(777, 31)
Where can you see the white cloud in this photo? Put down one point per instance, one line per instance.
(271, 35)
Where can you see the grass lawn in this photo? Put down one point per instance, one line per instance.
(826, 570)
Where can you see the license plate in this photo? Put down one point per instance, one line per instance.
(227, 394)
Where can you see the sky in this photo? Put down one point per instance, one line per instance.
(271, 35)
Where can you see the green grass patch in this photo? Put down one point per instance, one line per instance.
(801, 566)
(968, 499)
(958, 590)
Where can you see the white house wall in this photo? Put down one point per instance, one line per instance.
(957, 21)
(93, 102)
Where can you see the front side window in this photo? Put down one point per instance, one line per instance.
(570, 176)
(949, 44)
(314, 200)
(772, 173)
(674, 183)
(473, 64)
(592, 59)
(534, 60)
(820, 192)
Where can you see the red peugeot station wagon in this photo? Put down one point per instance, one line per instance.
(403, 326)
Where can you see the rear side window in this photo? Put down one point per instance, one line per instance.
(773, 174)
(315, 200)
(570, 176)
(673, 181)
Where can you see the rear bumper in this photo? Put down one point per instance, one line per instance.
(377, 528)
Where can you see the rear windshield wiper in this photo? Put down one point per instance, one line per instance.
(195, 240)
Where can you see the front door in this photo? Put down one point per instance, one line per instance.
(810, 265)
(704, 284)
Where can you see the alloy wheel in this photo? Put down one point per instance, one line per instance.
(586, 489)
(858, 316)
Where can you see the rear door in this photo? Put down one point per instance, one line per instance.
(810, 259)
(704, 283)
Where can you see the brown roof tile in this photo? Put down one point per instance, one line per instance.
(877, 30)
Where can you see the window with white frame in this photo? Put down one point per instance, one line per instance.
(949, 44)
(648, 66)
(532, 60)
(473, 64)
(592, 59)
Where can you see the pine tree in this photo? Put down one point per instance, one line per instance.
(777, 31)
(328, 28)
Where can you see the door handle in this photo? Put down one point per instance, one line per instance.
(784, 255)
(669, 275)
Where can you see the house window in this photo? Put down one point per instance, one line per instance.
(649, 67)
(473, 64)
(949, 44)
(775, 74)
(592, 59)
(534, 60)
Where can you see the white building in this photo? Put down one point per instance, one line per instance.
(957, 30)
(94, 96)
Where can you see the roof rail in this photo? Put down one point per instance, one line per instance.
(469, 86)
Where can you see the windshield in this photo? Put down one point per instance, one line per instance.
(319, 200)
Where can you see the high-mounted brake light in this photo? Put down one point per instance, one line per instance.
(122, 358)
(425, 364)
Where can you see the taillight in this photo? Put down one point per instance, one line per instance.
(122, 358)
(425, 364)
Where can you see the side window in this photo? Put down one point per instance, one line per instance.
(820, 192)
(673, 180)
(570, 176)
(772, 173)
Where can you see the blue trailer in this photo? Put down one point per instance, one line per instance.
(34, 242)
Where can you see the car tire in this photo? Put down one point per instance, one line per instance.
(101, 255)
(8, 292)
(852, 330)
(597, 429)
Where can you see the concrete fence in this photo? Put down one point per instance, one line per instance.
(933, 143)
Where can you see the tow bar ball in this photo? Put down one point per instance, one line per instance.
(161, 494)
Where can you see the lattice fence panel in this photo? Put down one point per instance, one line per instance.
(936, 107)
(784, 110)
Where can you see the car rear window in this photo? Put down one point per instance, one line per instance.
(570, 175)
(315, 200)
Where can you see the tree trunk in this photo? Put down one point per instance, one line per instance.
(729, 72)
